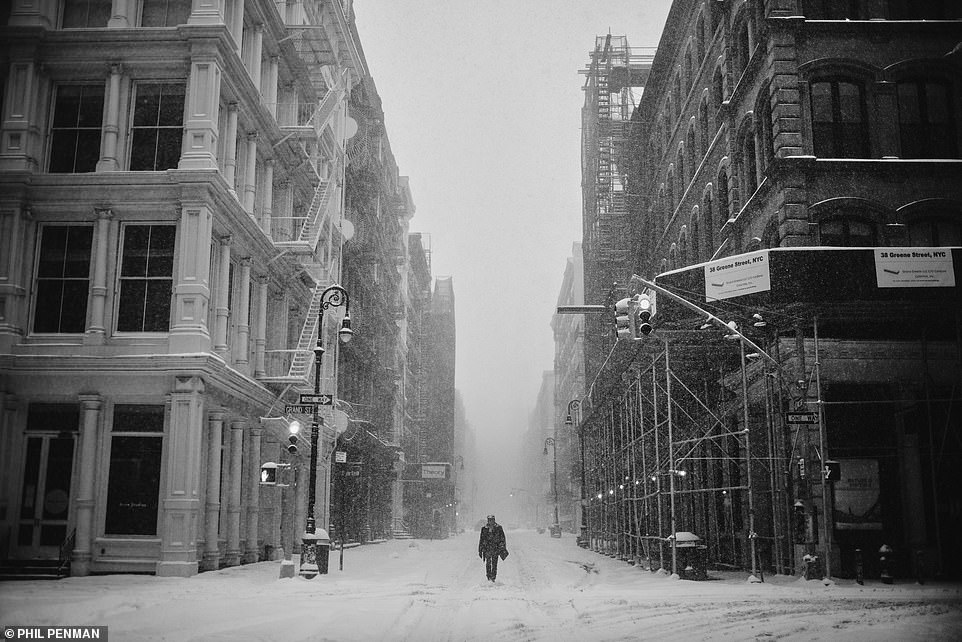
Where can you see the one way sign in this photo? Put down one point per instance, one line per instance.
(320, 400)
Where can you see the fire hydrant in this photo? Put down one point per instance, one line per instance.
(885, 553)
(810, 571)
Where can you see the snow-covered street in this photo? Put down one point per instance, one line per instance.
(547, 589)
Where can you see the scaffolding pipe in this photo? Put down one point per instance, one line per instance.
(671, 468)
(752, 535)
(823, 440)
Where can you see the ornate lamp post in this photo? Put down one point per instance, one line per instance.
(334, 296)
(554, 450)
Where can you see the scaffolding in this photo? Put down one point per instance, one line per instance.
(615, 74)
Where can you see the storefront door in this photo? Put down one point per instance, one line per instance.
(45, 496)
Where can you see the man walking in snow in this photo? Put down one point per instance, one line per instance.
(492, 546)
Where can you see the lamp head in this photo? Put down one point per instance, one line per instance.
(294, 427)
(345, 333)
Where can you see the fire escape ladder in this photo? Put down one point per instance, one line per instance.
(303, 359)
(317, 213)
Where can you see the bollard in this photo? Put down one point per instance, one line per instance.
(885, 554)
(859, 570)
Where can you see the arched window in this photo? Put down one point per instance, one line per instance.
(749, 168)
(683, 247)
(662, 208)
(708, 216)
(743, 51)
(700, 39)
(692, 162)
(717, 88)
(696, 242)
(839, 119)
(847, 231)
(672, 257)
(926, 119)
(723, 213)
(689, 69)
(934, 231)
(763, 130)
(670, 202)
(682, 175)
(676, 96)
(703, 127)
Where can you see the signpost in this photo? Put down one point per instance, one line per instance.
(301, 409)
(801, 418)
(320, 400)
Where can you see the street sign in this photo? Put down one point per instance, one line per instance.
(340, 457)
(832, 470)
(303, 409)
(801, 417)
(320, 400)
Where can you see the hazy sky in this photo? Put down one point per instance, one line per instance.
(482, 104)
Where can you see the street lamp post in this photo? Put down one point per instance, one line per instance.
(554, 450)
(334, 296)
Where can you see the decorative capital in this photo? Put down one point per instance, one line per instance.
(104, 213)
(225, 239)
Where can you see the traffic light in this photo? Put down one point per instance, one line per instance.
(293, 428)
(625, 319)
(269, 474)
(645, 305)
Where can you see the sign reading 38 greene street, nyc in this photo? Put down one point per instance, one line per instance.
(737, 275)
(914, 267)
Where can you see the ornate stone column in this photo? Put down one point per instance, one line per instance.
(215, 438)
(223, 290)
(260, 343)
(241, 353)
(205, 12)
(233, 556)
(118, 15)
(237, 24)
(257, 49)
(108, 159)
(253, 496)
(182, 466)
(20, 139)
(91, 405)
(250, 173)
(270, 97)
(230, 148)
(267, 196)
(12, 287)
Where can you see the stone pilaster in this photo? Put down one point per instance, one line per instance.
(96, 331)
(252, 554)
(111, 131)
(181, 497)
(92, 407)
(222, 292)
(250, 173)
(230, 148)
(215, 428)
(236, 454)
(203, 104)
(189, 332)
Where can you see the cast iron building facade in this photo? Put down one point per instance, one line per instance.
(172, 207)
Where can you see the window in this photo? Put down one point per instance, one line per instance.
(692, 161)
(749, 166)
(846, 232)
(165, 13)
(689, 69)
(839, 126)
(709, 218)
(935, 232)
(146, 278)
(925, 120)
(703, 126)
(75, 133)
(682, 175)
(744, 52)
(717, 88)
(80, 14)
(133, 485)
(696, 240)
(700, 40)
(763, 129)
(63, 279)
(723, 214)
(158, 127)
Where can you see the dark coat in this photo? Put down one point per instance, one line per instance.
(492, 541)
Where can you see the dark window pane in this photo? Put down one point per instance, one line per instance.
(31, 481)
(77, 255)
(73, 315)
(169, 142)
(822, 101)
(88, 151)
(850, 103)
(46, 317)
(147, 105)
(130, 314)
(136, 246)
(133, 486)
(53, 249)
(57, 483)
(909, 110)
(161, 261)
(171, 108)
(68, 106)
(157, 313)
(91, 110)
(142, 150)
(52, 534)
(63, 148)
